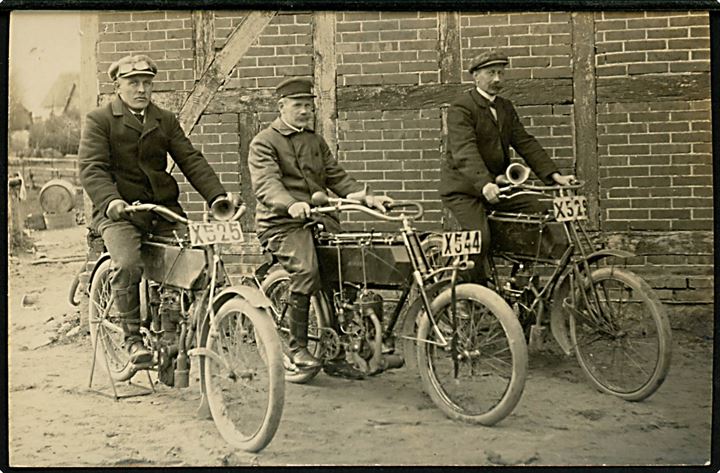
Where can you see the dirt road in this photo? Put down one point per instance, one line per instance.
(55, 420)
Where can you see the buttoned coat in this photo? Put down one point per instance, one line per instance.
(478, 145)
(122, 158)
(287, 166)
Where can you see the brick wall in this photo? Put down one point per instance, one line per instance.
(396, 73)
(654, 154)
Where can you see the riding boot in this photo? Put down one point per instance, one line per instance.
(127, 302)
(298, 313)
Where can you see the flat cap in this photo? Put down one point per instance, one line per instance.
(129, 66)
(295, 87)
(488, 58)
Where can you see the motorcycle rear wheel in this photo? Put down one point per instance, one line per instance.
(105, 326)
(479, 375)
(244, 382)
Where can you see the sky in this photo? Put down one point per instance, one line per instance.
(43, 44)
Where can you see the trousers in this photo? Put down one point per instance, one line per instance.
(123, 240)
(471, 214)
(293, 246)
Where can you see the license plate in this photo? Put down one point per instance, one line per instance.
(210, 233)
(570, 207)
(461, 243)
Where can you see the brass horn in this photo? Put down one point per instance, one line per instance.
(515, 175)
(223, 208)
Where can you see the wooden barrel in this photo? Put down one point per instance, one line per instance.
(57, 196)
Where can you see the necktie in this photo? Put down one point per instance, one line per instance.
(493, 110)
(139, 116)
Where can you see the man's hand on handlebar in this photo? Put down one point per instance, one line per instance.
(373, 201)
(563, 180)
(491, 192)
(117, 210)
(300, 210)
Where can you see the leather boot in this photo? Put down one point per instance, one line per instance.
(127, 302)
(298, 311)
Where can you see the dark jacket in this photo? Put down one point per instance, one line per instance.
(478, 147)
(121, 158)
(287, 167)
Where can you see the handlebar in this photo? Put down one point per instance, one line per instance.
(342, 204)
(532, 187)
(172, 216)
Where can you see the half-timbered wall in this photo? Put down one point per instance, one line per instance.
(622, 99)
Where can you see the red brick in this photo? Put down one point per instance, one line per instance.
(654, 181)
(701, 66)
(692, 20)
(605, 25)
(691, 225)
(528, 18)
(670, 191)
(624, 35)
(702, 170)
(703, 213)
(621, 57)
(700, 32)
(692, 180)
(360, 37)
(380, 68)
(624, 214)
(647, 23)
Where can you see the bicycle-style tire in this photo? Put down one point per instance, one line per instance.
(491, 375)
(105, 327)
(246, 401)
(276, 287)
(628, 355)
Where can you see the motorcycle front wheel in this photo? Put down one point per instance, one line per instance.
(243, 375)
(474, 370)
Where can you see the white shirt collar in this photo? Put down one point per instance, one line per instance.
(293, 128)
(491, 98)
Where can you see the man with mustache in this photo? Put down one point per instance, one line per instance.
(122, 159)
(481, 128)
(288, 163)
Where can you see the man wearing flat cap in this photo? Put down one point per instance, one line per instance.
(288, 163)
(122, 159)
(481, 128)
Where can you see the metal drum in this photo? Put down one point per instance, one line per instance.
(57, 196)
(527, 235)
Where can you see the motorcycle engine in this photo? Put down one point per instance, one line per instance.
(358, 322)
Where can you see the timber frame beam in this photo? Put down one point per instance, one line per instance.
(222, 64)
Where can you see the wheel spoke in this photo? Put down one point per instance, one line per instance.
(628, 360)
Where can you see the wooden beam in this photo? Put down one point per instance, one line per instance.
(203, 22)
(401, 97)
(645, 88)
(324, 27)
(222, 64)
(88, 87)
(585, 116)
(248, 126)
(450, 48)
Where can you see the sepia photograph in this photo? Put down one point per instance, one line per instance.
(254, 237)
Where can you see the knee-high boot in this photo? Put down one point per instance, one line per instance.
(298, 312)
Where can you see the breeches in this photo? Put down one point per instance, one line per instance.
(123, 240)
(294, 248)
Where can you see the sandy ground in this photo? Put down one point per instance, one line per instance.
(55, 420)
